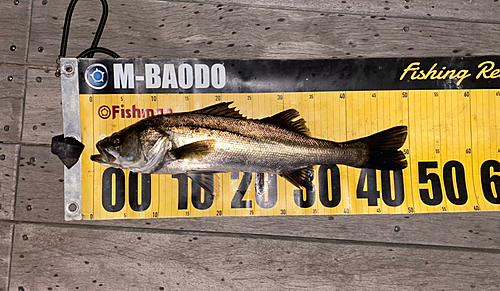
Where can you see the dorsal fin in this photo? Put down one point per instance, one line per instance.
(220, 109)
(286, 119)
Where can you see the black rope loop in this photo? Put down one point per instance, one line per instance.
(88, 53)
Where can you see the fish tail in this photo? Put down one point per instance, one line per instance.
(383, 149)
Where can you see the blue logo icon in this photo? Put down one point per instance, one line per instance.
(96, 76)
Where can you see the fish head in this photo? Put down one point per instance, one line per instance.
(136, 148)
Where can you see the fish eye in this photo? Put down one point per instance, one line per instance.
(115, 142)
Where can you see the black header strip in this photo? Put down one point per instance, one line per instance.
(260, 76)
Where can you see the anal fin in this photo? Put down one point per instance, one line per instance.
(301, 178)
(210, 182)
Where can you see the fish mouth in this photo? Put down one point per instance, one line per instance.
(98, 158)
(106, 155)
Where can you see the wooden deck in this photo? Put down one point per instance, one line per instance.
(40, 251)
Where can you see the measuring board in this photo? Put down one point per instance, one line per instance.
(450, 105)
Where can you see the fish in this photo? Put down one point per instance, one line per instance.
(219, 139)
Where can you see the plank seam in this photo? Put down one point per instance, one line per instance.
(27, 144)
(260, 236)
(11, 255)
(377, 14)
(29, 31)
(37, 67)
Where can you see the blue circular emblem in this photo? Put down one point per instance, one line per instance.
(96, 76)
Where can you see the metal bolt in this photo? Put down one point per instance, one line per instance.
(406, 29)
(39, 79)
(6, 128)
(13, 48)
(35, 128)
(29, 208)
(32, 160)
(397, 228)
(68, 69)
(21, 288)
(2, 157)
(10, 78)
(44, 2)
(16, 2)
(25, 237)
(40, 49)
(72, 207)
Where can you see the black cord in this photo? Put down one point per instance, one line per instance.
(88, 53)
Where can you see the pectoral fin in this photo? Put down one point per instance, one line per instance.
(301, 178)
(195, 150)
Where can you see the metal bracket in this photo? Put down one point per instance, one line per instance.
(72, 128)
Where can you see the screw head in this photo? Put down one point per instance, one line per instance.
(39, 79)
(40, 49)
(2, 157)
(406, 29)
(25, 237)
(16, 2)
(10, 78)
(72, 207)
(397, 228)
(29, 208)
(44, 2)
(6, 128)
(68, 69)
(32, 160)
(13, 48)
(35, 128)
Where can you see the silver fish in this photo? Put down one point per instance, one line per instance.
(219, 139)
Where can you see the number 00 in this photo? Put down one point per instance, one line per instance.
(119, 189)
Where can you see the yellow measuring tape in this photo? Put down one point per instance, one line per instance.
(453, 153)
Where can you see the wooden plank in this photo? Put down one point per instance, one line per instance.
(8, 177)
(14, 30)
(43, 113)
(5, 251)
(11, 112)
(450, 10)
(47, 167)
(53, 258)
(190, 30)
(477, 229)
(12, 82)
